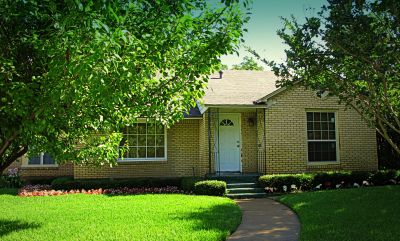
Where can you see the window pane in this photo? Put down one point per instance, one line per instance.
(317, 135)
(141, 152)
(159, 129)
(132, 152)
(321, 151)
(151, 152)
(332, 135)
(331, 117)
(325, 135)
(317, 116)
(160, 140)
(331, 126)
(310, 126)
(48, 160)
(151, 128)
(132, 140)
(34, 160)
(324, 125)
(151, 140)
(141, 140)
(141, 129)
(160, 152)
(309, 116)
(324, 116)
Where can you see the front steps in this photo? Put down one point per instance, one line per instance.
(244, 190)
(241, 185)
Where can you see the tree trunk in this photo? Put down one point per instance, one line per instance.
(15, 154)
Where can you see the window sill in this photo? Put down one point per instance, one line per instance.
(323, 163)
(39, 166)
(131, 160)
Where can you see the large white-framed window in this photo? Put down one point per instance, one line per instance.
(146, 140)
(42, 160)
(322, 138)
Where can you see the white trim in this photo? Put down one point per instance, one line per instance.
(153, 159)
(319, 163)
(25, 163)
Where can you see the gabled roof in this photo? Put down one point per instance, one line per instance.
(239, 87)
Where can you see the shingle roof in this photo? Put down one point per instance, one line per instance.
(239, 87)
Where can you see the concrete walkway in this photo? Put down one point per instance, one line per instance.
(266, 219)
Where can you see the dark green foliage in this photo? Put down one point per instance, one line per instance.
(302, 181)
(384, 177)
(71, 184)
(210, 188)
(350, 50)
(187, 183)
(329, 180)
(70, 68)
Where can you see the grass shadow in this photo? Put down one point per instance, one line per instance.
(9, 226)
(224, 218)
(9, 191)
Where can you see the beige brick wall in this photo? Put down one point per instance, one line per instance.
(249, 141)
(286, 140)
(182, 157)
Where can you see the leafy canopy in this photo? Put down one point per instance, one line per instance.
(248, 63)
(69, 69)
(350, 50)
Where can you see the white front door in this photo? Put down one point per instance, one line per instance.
(229, 142)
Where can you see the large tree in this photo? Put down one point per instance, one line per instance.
(248, 63)
(71, 69)
(351, 50)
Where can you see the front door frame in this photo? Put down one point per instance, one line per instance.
(239, 116)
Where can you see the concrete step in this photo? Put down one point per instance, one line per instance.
(246, 190)
(246, 195)
(241, 184)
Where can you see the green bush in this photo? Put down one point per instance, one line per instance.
(210, 188)
(331, 179)
(302, 181)
(383, 177)
(187, 183)
(70, 184)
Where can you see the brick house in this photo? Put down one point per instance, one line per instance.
(244, 124)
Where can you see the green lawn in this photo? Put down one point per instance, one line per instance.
(350, 214)
(101, 217)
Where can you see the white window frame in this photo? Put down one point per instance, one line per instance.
(26, 162)
(319, 163)
(141, 159)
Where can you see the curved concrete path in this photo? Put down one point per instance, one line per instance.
(266, 219)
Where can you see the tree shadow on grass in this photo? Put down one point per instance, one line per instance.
(223, 218)
(9, 191)
(9, 226)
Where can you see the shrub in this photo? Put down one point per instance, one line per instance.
(301, 181)
(187, 183)
(383, 177)
(359, 177)
(331, 179)
(71, 184)
(11, 179)
(210, 188)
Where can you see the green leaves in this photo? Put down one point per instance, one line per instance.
(350, 50)
(65, 63)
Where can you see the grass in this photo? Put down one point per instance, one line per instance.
(351, 214)
(101, 217)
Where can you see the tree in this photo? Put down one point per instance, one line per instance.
(248, 63)
(351, 50)
(73, 73)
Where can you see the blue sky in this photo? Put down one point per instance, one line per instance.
(265, 21)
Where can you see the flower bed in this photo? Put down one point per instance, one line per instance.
(46, 190)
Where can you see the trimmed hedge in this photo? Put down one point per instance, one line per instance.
(187, 183)
(328, 180)
(210, 188)
(302, 181)
(76, 184)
